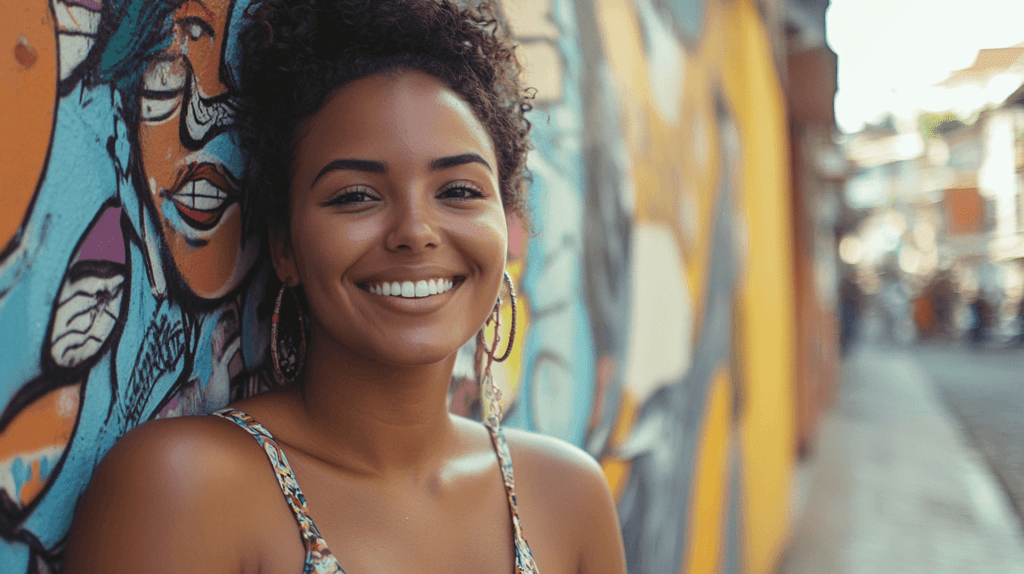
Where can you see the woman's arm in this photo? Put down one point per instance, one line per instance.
(602, 550)
(164, 499)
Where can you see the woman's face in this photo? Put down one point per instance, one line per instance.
(395, 183)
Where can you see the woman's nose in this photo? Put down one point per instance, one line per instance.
(413, 226)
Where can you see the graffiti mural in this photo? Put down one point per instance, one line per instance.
(655, 318)
(127, 287)
(659, 284)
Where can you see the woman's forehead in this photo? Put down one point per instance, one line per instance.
(396, 115)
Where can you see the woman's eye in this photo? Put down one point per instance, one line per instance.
(460, 191)
(351, 197)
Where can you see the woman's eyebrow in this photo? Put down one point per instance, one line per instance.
(452, 161)
(353, 165)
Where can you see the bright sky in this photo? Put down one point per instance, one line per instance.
(892, 51)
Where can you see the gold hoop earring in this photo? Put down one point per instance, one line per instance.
(512, 331)
(492, 395)
(286, 356)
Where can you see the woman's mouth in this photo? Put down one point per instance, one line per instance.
(412, 289)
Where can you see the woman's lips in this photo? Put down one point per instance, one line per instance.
(412, 289)
(203, 193)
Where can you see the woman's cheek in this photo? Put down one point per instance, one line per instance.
(490, 231)
(360, 231)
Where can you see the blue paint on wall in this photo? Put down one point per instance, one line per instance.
(556, 390)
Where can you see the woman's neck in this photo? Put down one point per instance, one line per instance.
(375, 418)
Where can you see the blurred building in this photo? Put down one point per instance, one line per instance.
(818, 169)
(944, 196)
(995, 73)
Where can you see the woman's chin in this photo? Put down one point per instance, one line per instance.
(411, 352)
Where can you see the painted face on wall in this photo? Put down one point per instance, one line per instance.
(190, 156)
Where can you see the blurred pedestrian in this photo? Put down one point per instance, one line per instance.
(983, 316)
(851, 300)
(1020, 322)
(944, 297)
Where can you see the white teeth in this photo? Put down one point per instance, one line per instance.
(409, 289)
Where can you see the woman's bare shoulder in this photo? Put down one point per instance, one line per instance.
(166, 486)
(180, 457)
(550, 456)
(562, 488)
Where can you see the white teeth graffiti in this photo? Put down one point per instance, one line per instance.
(411, 289)
(201, 195)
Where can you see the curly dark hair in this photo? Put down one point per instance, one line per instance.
(297, 53)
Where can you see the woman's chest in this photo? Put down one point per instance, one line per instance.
(370, 530)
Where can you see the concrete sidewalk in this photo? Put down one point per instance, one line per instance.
(894, 487)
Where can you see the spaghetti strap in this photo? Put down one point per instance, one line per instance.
(524, 557)
(319, 559)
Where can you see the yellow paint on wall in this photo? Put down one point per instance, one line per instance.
(623, 50)
(766, 299)
(708, 508)
(671, 188)
(616, 472)
(677, 172)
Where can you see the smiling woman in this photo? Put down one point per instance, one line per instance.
(386, 146)
(392, 184)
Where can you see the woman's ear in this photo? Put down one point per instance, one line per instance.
(282, 256)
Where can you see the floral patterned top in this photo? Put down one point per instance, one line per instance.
(319, 559)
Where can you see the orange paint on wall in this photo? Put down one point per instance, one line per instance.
(28, 98)
(47, 422)
(31, 489)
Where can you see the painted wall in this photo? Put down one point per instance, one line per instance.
(656, 312)
(660, 287)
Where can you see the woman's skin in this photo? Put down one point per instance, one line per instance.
(393, 481)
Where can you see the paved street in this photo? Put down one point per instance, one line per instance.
(985, 391)
(895, 486)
